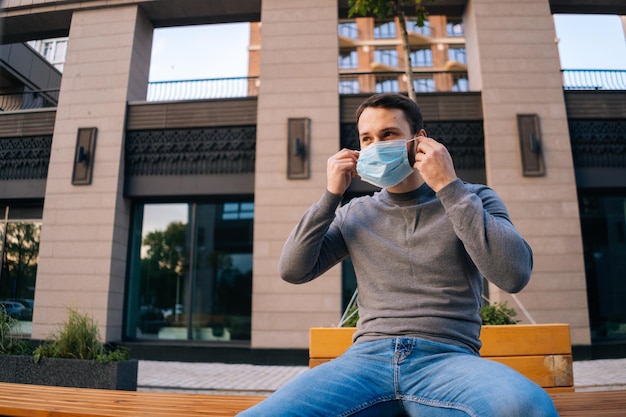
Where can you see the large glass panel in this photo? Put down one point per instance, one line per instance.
(19, 246)
(387, 85)
(348, 29)
(422, 58)
(457, 54)
(348, 59)
(454, 27)
(412, 26)
(424, 84)
(384, 29)
(386, 56)
(603, 221)
(191, 272)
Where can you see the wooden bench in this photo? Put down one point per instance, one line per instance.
(21, 400)
(541, 352)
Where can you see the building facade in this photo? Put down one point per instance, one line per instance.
(165, 220)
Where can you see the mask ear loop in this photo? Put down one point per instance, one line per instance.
(412, 157)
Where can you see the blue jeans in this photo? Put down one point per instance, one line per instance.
(407, 377)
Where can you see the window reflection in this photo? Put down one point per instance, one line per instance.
(19, 249)
(603, 222)
(192, 276)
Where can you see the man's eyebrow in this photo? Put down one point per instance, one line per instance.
(383, 130)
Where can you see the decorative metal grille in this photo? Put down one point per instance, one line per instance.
(25, 158)
(218, 150)
(598, 144)
(465, 141)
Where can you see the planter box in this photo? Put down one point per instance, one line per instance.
(69, 372)
(542, 352)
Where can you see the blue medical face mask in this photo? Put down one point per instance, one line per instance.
(384, 164)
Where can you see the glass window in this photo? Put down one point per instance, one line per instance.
(424, 84)
(411, 26)
(386, 56)
(460, 84)
(422, 58)
(454, 28)
(457, 54)
(48, 50)
(348, 30)
(59, 51)
(20, 231)
(603, 223)
(387, 85)
(348, 59)
(191, 271)
(348, 87)
(384, 29)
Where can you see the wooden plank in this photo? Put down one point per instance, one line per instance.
(329, 342)
(34, 401)
(525, 339)
(507, 340)
(21, 400)
(591, 403)
(544, 370)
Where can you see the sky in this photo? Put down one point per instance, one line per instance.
(221, 50)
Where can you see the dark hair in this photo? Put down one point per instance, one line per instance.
(410, 108)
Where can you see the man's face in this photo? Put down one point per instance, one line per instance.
(378, 124)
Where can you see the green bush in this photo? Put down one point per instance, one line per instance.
(497, 313)
(11, 343)
(79, 338)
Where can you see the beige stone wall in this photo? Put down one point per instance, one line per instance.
(513, 59)
(299, 78)
(84, 238)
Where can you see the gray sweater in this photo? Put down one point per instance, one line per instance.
(419, 258)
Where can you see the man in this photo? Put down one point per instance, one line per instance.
(420, 249)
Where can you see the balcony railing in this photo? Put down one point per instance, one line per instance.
(28, 100)
(578, 79)
(394, 82)
(349, 83)
(212, 88)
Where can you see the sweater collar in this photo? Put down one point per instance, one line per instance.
(419, 194)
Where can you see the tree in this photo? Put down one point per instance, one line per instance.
(384, 9)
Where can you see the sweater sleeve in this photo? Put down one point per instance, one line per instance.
(482, 223)
(315, 244)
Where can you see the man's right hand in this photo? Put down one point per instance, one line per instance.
(340, 169)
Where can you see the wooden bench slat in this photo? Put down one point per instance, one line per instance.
(546, 371)
(33, 401)
(591, 403)
(18, 400)
(525, 339)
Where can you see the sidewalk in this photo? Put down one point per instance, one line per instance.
(243, 379)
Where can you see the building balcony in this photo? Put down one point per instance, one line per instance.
(425, 81)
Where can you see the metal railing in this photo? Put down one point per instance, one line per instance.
(349, 83)
(394, 82)
(28, 100)
(211, 88)
(580, 79)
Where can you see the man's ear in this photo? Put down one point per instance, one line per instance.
(422, 132)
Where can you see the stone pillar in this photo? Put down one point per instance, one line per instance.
(84, 237)
(298, 79)
(513, 59)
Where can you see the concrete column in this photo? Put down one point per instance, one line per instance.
(84, 237)
(298, 79)
(513, 59)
